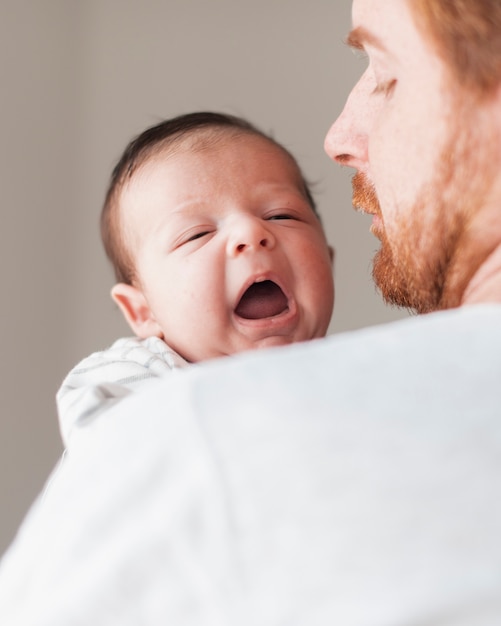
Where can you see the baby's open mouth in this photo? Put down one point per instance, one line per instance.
(261, 300)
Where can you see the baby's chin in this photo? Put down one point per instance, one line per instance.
(257, 335)
(271, 341)
(225, 351)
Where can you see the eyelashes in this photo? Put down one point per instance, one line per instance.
(192, 236)
(281, 216)
(205, 232)
(196, 236)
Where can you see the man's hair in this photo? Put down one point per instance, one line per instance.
(467, 34)
(201, 128)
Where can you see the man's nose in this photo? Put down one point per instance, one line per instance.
(249, 233)
(347, 139)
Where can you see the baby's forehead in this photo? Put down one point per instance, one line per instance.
(202, 149)
(208, 141)
(174, 169)
(204, 145)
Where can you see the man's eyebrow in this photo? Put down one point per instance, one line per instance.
(358, 37)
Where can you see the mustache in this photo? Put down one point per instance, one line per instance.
(364, 195)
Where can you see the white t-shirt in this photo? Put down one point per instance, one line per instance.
(351, 481)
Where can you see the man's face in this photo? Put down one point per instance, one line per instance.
(228, 252)
(409, 132)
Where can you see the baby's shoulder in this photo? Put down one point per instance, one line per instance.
(151, 353)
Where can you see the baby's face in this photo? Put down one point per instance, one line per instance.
(228, 252)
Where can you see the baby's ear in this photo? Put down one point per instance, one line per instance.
(135, 309)
(332, 254)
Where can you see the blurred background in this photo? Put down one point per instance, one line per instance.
(79, 79)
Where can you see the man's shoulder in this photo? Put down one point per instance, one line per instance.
(420, 365)
(478, 319)
(440, 335)
(436, 334)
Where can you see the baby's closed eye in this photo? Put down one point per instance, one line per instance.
(198, 235)
(193, 234)
(282, 216)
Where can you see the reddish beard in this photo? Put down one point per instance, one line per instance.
(364, 195)
(435, 247)
(391, 276)
(414, 271)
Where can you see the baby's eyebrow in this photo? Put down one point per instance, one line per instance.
(358, 37)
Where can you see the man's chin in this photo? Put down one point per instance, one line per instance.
(391, 281)
(399, 284)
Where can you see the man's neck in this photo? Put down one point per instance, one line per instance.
(485, 285)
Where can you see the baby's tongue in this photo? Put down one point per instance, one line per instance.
(262, 300)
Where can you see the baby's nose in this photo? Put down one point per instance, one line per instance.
(249, 234)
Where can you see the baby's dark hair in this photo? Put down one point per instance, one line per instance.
(167, 136)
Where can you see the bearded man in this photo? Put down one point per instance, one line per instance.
(350, 481)
(422, 128)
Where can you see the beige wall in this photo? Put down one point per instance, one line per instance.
(79, 79)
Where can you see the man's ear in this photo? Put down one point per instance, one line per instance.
(135, 309)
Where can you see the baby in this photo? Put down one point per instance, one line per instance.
(217, 248)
